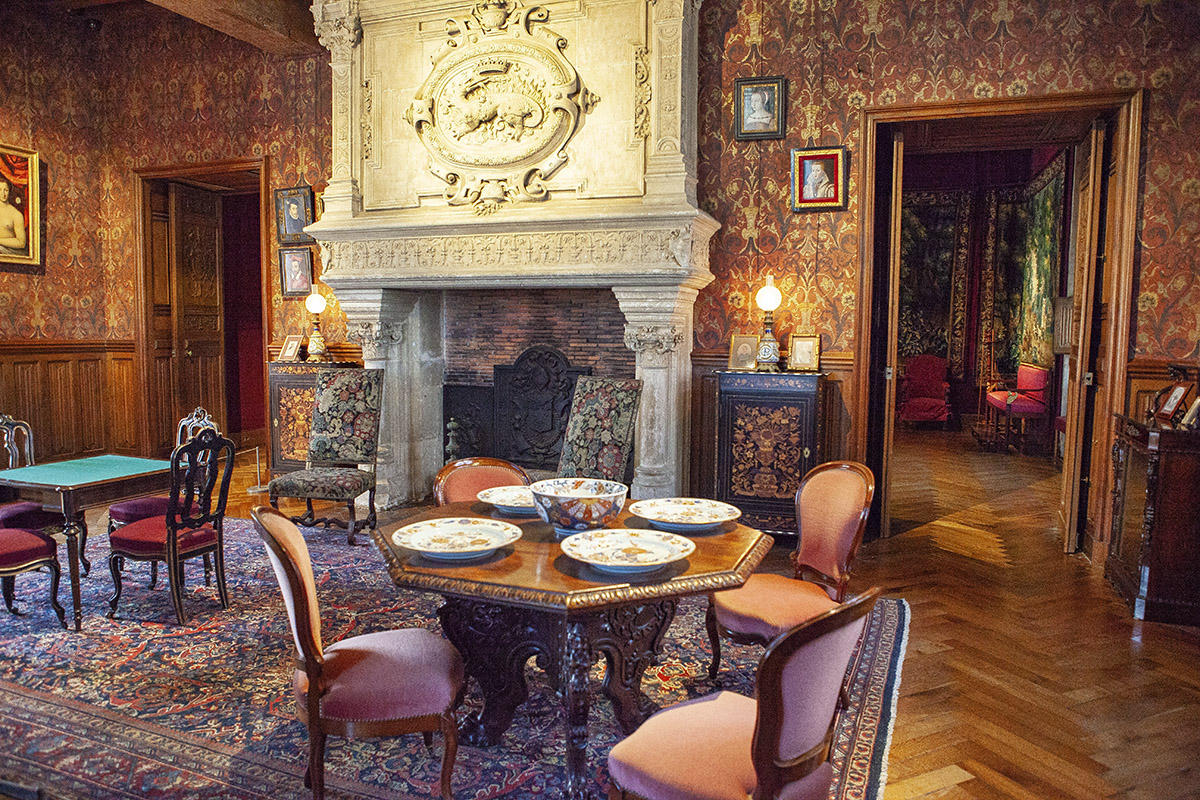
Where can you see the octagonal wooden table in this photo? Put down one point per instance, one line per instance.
(530, 599)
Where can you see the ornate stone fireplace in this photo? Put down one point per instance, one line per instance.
(508, 145)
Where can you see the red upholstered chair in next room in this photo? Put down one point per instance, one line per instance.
(464, 478)
(385, 683)
(1028, 401)
(726, 746)
(925, 393)
(24, 551)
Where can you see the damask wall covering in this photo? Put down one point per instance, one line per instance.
(842, 55)
(149, 88)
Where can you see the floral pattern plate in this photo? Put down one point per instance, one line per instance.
(456, 538)
(685, 514)
(510, 499)
(627, 550)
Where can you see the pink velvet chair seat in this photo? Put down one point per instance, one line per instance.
(1022, 406)
(767, 605)
(386, 675)
(149, 536)
(19, 546)
(28, 515)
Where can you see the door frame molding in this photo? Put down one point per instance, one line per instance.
(141, 180)
(1127, 106)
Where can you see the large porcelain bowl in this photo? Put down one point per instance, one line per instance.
(578, 504)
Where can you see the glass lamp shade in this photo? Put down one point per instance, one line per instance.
(768, 297)
(315, 302)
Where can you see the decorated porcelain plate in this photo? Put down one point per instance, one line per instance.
(685, 514)
(509, 499)
(627, 550)
(456, 538)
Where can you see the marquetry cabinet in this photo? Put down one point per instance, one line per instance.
(1154, 550)
(769, 433)
(291, 387)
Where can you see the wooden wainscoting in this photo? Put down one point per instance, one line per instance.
(79, 396)
(1144, 377)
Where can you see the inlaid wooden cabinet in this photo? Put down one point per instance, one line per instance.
(769, 433)
(291, 387)
(1154, 551)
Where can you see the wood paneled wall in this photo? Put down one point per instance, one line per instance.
(79, 396)
(1143, 378)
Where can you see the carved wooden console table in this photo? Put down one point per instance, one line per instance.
(530, 599)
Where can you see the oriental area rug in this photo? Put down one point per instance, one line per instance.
(140, 707)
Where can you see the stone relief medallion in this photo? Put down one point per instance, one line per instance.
(499, 106)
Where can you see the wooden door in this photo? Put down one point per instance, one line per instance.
(883, 481)
(199, 336)
(1089, 172)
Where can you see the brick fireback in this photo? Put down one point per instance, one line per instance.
(489, 327)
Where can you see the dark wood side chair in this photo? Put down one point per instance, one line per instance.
(193, 525)
(386, 683)
(832, 505)
(139, 508)
(462, 479)
(25, 551)
(726, 746)
(341, 448)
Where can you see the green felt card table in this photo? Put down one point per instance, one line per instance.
(81, 483)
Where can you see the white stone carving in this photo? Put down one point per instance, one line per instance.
(499, 106)
(375, 337)
(641, 93)
(660, 339)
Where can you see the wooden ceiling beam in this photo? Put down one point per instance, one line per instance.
(282, 27)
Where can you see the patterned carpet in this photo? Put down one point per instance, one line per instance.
(138, 707)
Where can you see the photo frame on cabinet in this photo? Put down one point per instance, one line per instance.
(1172, 402)
(804, 353)
(819, 178)
(290, 351)
(293, 210)
(743, 351)
(760, 107)
(1192, 416)
(295, 271)
(20, 207)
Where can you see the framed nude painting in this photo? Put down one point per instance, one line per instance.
(20, 207)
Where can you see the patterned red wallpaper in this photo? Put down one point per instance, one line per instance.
(149, 88)
(842, 55)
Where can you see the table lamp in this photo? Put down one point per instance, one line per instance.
(315, 303)
(768, 299)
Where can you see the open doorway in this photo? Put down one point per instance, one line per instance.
(203, 282)
(1096, 137)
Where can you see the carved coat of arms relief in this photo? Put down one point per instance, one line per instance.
(499, 106)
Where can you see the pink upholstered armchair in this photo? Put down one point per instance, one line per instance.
(774, 745)
(464, 478)
(1027, 401)
(925, 393)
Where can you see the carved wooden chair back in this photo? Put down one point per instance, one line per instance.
(18, 441)
(293, 569)
(832, 506)
(196, 468)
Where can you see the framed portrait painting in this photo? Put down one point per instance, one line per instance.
(743, 351)
(804, 353)
(290, 350)
(20, 207)
(819, 179)
(293, 210)
(760, 108)
(1173, 402)
(295, 271)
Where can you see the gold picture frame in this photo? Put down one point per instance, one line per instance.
(804, 353)
(743, 351)
(20, 207)
(290, 350)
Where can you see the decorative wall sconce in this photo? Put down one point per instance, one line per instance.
(768, 299)
(315, 303)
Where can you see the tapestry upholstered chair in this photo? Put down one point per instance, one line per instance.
(128, 511)
(193, 525)
(600, 428)
(832, 505)
(1023, 404)
(24, 551)
(344, 440)
(462, 479)
(726, 746)
(378, 684)
(925, 392)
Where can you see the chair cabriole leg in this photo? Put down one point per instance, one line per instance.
(115, 565)
(449, 751)
(55, 574)
(315, 776)
(714, 637)
(8, 585)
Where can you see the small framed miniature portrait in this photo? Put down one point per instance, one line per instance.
(760, 108)
(743, 351)
(804, 353)
(290, 351)
(1172, 402)
(295, 271)
(819, 179)
(293, 210)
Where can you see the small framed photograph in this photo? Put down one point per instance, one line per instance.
(1172, 402)
(290, 351)
(819, 179)
(293, 210)
(743, 351)
(760, 106)
(295, 271)
(20, 207)
(804, 353)
(1192, 416)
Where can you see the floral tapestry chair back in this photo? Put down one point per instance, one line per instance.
(600, 428)
(345, 423)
